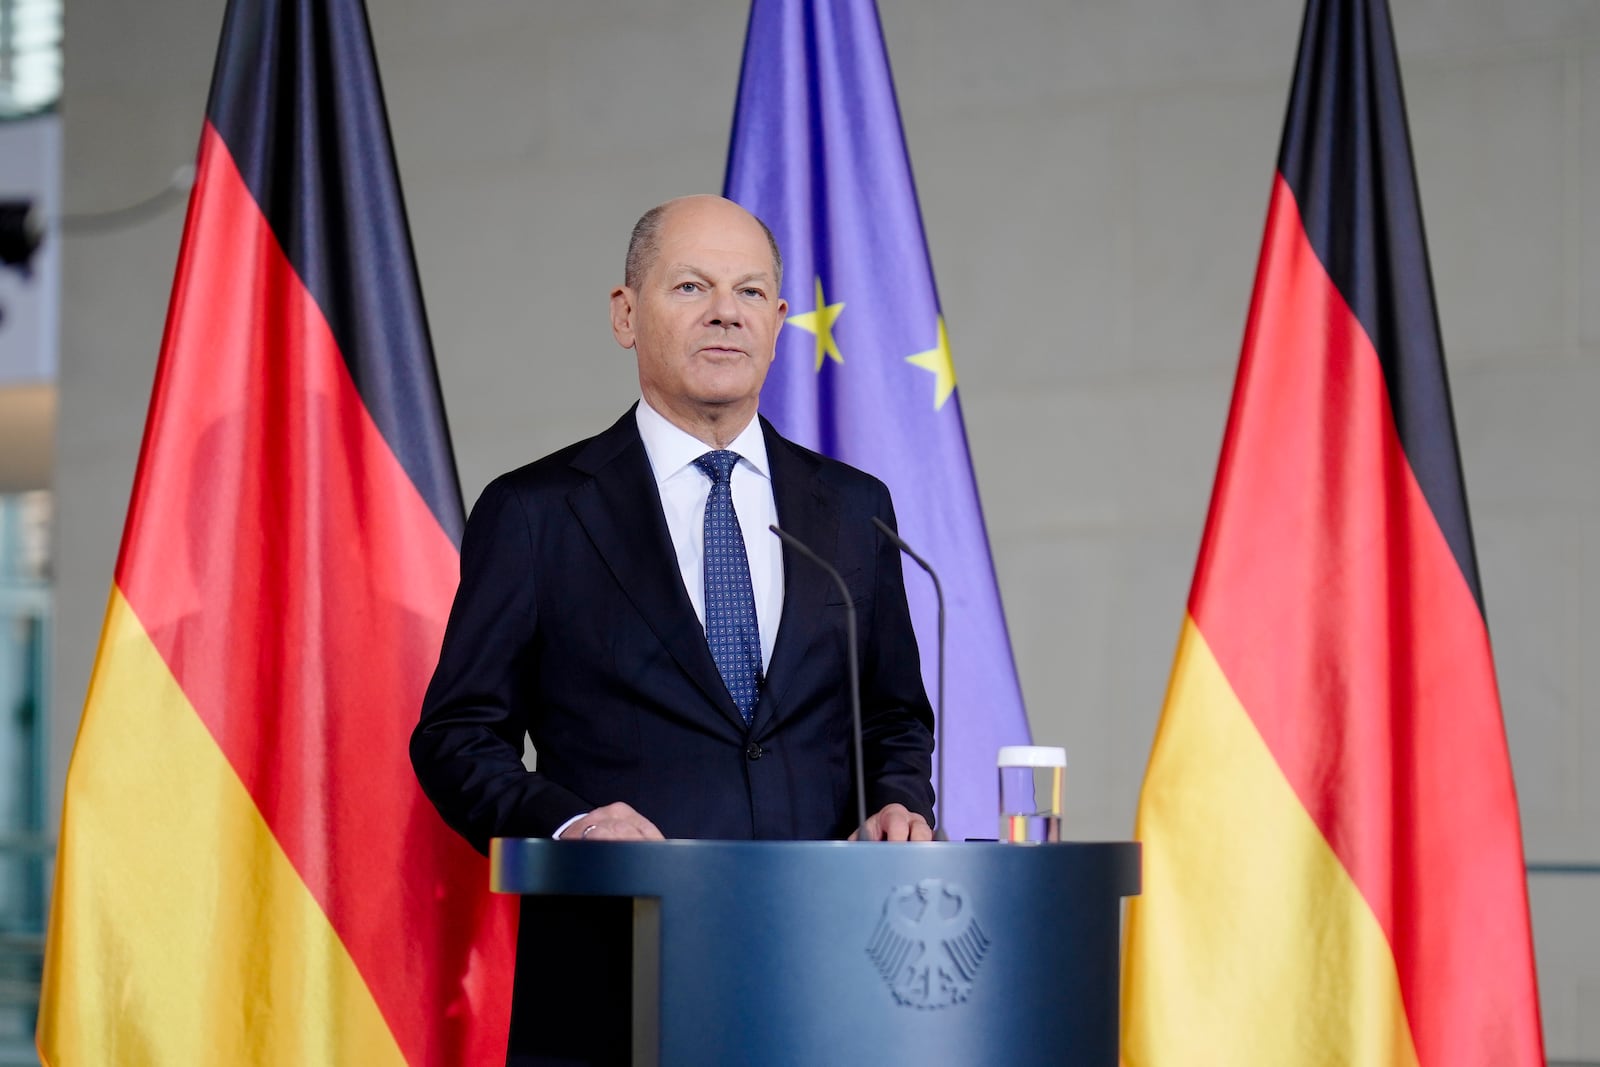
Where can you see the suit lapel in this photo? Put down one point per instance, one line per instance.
(638, 550)
(809, 510)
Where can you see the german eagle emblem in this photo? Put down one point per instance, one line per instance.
(928, 944)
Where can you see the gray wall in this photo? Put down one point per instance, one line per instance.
(1094, 177)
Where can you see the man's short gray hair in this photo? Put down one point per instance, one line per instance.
(645, 245)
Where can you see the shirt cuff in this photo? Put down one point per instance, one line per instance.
(566, 825)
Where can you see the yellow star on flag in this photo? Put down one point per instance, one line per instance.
(937, 362)
(820, 323)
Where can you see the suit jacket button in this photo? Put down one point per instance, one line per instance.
(754, 751)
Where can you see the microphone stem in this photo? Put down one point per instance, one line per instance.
(938, 712)
(855, 670)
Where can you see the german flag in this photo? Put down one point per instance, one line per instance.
(248, 871)
(1333, 860)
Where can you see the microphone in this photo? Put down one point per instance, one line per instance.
(855, 668)
(938, 707)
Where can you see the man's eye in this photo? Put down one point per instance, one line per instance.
(687, 287)
(754, 292)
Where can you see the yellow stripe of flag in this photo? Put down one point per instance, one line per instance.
(1221, 937)
(165, 861)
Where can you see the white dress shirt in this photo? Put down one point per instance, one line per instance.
(684, 489)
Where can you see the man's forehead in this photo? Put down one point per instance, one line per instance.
(721, 242)
(719, 262)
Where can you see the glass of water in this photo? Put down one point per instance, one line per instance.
(1032, 781)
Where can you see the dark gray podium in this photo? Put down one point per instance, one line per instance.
(834, 953)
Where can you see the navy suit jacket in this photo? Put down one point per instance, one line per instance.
(572, 623)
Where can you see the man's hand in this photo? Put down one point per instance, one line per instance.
(896, 823)
(614, 822)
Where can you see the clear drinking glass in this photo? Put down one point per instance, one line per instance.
(1032, 783)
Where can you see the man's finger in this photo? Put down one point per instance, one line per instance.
(896, 827)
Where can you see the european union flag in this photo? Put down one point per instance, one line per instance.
(863, 370)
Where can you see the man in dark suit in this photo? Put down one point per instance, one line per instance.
(622, 602)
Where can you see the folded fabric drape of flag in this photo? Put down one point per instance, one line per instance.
(248, 871)
(1333, 866)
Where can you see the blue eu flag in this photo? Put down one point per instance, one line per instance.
(863, 371)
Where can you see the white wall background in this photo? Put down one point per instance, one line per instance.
(1094, 178)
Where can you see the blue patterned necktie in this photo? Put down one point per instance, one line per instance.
(730, 604)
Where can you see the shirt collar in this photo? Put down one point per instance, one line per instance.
(671, 449)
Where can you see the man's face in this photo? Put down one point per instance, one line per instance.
(705, 318)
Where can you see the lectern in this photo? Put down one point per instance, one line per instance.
(807, 953)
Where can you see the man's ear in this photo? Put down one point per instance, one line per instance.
(622, 299)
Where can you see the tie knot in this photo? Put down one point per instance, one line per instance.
(718, 465)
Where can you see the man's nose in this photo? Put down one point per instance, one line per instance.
(724, 309)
